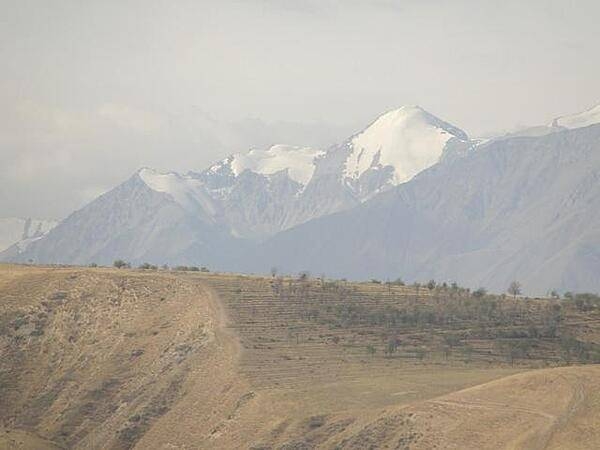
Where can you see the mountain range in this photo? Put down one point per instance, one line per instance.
(409, 196)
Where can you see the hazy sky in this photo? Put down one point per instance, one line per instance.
(92, 90)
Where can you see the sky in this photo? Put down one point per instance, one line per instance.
(91, 91)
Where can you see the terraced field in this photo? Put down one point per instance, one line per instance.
(106, 358)
(293, 331)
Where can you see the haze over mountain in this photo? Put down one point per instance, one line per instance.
(522, 209)
(20, 232)
(179, 218)
(411, 195)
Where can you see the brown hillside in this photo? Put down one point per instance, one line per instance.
(106, 358)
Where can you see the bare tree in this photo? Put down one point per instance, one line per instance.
(514, 289)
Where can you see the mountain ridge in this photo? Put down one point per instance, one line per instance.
(232, 214)
(516, 209)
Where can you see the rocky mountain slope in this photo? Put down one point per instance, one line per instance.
(207, 217)
(518, 209)
(139, 221)
(409, 196)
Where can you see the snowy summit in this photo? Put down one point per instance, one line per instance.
(299, 162)
(579, 120)
(408, 139)
(185, 190)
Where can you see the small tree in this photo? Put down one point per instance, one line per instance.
(120, 264)
(371, 350)
(447, 351)
(468, 353)
(392, 346)
(514, 289)
(479, 293)
(273, 272)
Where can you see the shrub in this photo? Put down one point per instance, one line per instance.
(479, 293)
(120, 264)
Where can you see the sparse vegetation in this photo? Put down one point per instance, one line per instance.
(188, 269)
(384, 344)
(371, 350)
(120, 264)
(479, 293)
(397, 322)
(514, 289)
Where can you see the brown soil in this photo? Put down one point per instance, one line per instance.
(106, 358)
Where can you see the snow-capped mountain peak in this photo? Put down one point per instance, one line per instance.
(298, 161)
(579, 120)
(186, 190)
(407, 139)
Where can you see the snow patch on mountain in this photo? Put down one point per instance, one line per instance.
(408, 139)
(21, 231)
(188, 191)
(299, 162)
(579, 120)
(11, 231)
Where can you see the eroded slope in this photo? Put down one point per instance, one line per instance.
(94, 358)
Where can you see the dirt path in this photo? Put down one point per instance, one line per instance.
(562, 421)
(494, 406)
(524, 411)
(209, 414)
(226, 337)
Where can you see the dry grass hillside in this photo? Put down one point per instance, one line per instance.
(107, 358)
(94, 358)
